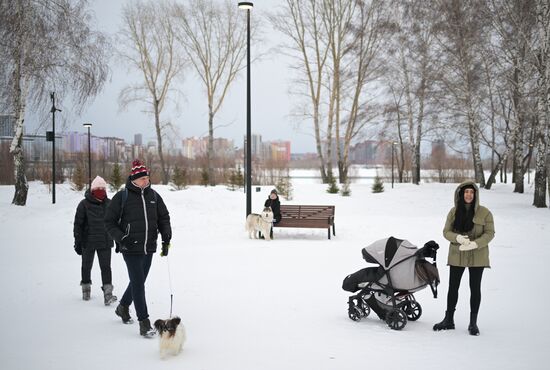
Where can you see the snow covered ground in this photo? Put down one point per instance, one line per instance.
(253, 304)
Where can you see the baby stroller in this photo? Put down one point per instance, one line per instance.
(388, 289)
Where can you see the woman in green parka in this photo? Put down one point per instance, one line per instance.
(469, 228)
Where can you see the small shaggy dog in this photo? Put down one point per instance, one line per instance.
(260, 222)
(172, 336)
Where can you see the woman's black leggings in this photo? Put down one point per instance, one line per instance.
(455, 275)
(104, 257)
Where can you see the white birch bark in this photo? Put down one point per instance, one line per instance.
(542, 136)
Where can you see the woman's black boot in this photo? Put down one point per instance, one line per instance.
(472, 328)
(448, 322)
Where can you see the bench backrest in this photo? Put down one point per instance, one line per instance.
(310, 212)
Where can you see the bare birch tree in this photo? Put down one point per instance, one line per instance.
(461, 32)
(367, 29)
(301, 23)
(412, 71)
(513, 25)
(46, 46)
(149, 46)
(213, 37)
(337, 18)
(497, 110)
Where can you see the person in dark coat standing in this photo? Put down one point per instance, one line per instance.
(135, 217)
(90, 237)
(273, 202)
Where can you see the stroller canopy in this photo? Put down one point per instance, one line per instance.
(389, 251)
(397, 257)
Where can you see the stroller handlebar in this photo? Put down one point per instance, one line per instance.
(429, 250)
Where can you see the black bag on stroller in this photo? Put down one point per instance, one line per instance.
(388, 289)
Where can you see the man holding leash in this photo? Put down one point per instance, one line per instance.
(135, 217)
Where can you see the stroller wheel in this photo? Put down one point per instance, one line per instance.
(396, 319)
(365, 309)
(413, 310)
(355, 313)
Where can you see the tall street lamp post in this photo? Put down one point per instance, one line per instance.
(247, 5)
(88, 126)
(50, 136)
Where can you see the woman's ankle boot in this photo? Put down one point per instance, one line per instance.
(472, 328)
(86, 291)
(448, 322)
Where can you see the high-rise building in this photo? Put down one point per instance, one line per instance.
(138, 139)
(280, 150)
(256, 145)
(438, 148)
(194, 147)
(7, 125)
(364, 152)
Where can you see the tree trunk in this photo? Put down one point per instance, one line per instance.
(415, 163)
(518, 168)
(543, 128)
(539, 195)
(211, 179)
(494, 172)
(414, 142)
(478, 165)
(159, 139)
(21, 185)
(20, 89)
(474, 142)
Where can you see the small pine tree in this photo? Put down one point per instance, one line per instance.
(236, 179)
(239, 177)
(346, 191)
(284, 187)
(79, 178)
(378, 185)
(204, 176)
(179, 178)
(116, 180)
(332, 187)
(232, 185)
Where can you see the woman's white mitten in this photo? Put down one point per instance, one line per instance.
(462, 239)
(468, 247)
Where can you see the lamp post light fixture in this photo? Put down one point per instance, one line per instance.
(88, 126)
(247, 5)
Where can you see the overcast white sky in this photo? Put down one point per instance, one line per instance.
(271, 104)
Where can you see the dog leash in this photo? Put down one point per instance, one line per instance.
(170, 285)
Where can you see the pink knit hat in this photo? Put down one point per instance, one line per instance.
(99, 183)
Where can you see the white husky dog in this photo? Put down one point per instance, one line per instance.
(260, 222)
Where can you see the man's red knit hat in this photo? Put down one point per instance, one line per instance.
(138, 170)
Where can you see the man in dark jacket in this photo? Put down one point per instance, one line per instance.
(90, 238)
(135, 217)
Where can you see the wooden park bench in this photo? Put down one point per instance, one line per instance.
(317, 217)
